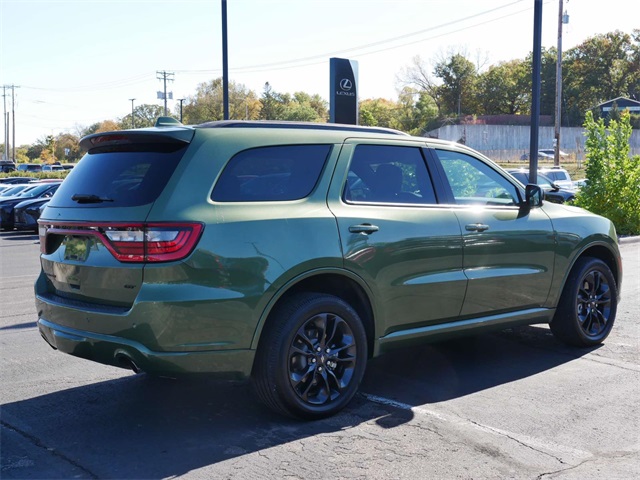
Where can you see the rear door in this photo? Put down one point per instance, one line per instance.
(93, 230)
(395, 235)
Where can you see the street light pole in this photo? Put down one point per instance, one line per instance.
(556, 147)
(133, 120)
(535, 91)
(225, 63)
(181, 100)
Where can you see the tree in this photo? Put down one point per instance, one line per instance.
(145, 115)
(415, 111)
(107, 126)
(48, 153)
(451, 85)
(417, 75)
(67, 147)
(207, 104)
(377, 112)
(613, 177)
(601, 68)
(505, 89)
(458, 76)
(272, 104)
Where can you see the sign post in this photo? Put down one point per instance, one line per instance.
(343, 103)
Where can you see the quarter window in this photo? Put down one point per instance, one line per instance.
(271, 174)
(473, 182)
(388, 174)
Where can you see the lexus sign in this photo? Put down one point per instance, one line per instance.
(343, 104)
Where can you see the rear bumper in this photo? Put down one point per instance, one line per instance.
(124, 353)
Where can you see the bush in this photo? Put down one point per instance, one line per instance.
(613, 177)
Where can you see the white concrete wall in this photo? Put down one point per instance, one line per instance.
(509, 142)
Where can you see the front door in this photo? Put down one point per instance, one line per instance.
(508, 250)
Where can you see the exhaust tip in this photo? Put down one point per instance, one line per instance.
(125, 361)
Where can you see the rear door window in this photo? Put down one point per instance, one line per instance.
(388, 174)
(126, 176)
(279, 173)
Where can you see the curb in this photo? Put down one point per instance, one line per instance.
(629, 239)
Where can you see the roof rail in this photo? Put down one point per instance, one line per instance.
(296, 125)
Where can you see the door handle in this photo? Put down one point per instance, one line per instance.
(365, 228)
(476, 227)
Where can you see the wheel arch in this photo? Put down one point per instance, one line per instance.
(602, 252)
(607, 255)
(342, 284)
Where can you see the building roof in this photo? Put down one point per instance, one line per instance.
(622, 103)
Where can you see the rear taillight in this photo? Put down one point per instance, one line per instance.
(146, 242)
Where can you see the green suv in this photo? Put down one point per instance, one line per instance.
(292, 253)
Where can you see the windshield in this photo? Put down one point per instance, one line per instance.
(34, 191)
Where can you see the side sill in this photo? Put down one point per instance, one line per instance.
(444, 331)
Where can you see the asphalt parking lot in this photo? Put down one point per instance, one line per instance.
(517, 404)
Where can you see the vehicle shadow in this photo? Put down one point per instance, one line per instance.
(160, 428)
(19, 235)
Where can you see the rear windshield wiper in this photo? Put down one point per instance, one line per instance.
(89, 198)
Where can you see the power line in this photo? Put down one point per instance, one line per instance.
(286, 64)
(311, 60)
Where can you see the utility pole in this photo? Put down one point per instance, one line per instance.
(13, 119)
(165, 76)
(5, 131)
(181, 100)
(556, 149)
(133, 119)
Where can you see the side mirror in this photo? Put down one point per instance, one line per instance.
(533, 195)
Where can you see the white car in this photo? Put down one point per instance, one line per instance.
(559, 176)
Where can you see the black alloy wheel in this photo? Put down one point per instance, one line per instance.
(588, 305)
(322, 359)
(311, 357)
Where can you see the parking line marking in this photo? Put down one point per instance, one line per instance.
(543, 446)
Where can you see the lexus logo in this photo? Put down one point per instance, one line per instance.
(346, 84)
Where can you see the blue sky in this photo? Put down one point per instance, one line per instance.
(78, 62)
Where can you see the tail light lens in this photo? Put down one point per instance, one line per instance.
(134, 243)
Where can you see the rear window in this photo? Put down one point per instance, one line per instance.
(288, 172)
(126, 176)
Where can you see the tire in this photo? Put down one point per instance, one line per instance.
(588, 304)
(311, 357)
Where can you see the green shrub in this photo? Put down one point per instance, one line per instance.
(613, 177)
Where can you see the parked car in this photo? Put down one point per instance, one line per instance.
(27, 213)
(545, 154)
(559, 176)
(14, 189)
(52, 168)
(578, 184)
(12, 180)
(29, 167)
(7, 204)
(7, 166)
(157, 257)
(552, 192)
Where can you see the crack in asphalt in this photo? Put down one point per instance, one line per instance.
(461, 421)
(36, 441)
